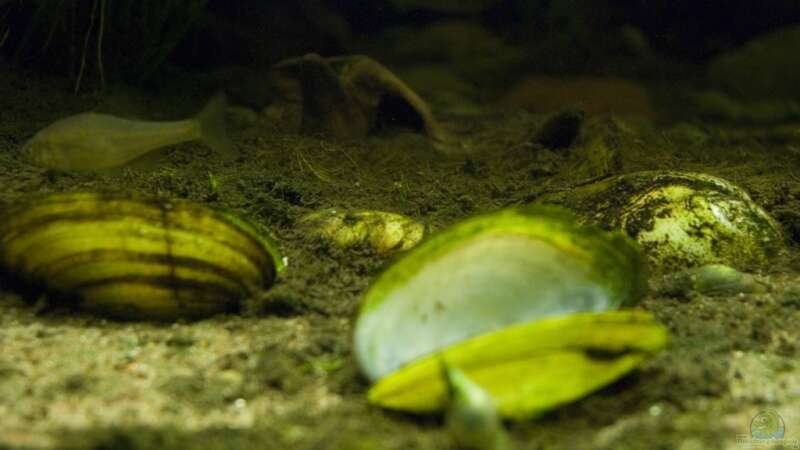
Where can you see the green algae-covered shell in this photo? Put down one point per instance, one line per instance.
(681, 219)
(490, 272)
(531, 367)
(385, 232)
(132, 257)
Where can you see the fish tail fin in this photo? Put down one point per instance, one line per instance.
(212, 125)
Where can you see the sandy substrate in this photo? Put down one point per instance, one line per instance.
(280, 374)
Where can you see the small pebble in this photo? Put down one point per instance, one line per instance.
(713, 280)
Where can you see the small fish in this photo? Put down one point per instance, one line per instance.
(91, 141)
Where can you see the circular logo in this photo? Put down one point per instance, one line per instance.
(767, 425)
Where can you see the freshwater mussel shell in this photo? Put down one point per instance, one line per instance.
(382, 231)
(490, 272)
(131, 257)
(681, 219)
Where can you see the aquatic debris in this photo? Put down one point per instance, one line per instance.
(498, 295)
(681, 219)
(348, 96)
(129, 257)
(713, 280)
(385, 232)
(91, 141)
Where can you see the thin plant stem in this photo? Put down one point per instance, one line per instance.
(53, 28)
(100, 43)
(86, 46)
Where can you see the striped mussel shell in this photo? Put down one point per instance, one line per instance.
(131, 257)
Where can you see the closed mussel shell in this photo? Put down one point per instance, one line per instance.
(384, 232)
(681, 219)
(459, 295)
(130, 257)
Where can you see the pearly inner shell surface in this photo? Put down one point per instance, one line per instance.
(483, 283)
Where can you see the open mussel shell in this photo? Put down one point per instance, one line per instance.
(488, 273)
(532, 367)
(129, 257)
(681, 219)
